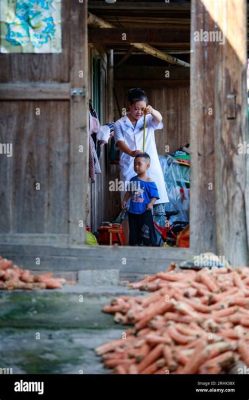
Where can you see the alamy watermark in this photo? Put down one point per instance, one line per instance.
(122, 186)
(6, 149)
(206, 260)
(23, 386)
(216, 36)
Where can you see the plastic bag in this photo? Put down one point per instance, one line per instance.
(177, 180)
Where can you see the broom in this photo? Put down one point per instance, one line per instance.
(144, 132)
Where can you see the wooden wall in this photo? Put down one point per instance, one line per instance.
(45, 123)
(41, 156)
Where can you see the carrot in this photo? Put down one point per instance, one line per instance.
(224, 360)
(208, 281)
(27, 277)
(5, 264)
(139, 354)
(143, 332)
(238, 281)
(152, 356)
(226, 312)
(169, 360)
(105, 348)
(186, 309)
(216, 348)
(243, 349)
(151, 299)
(199, 356)
(156, 311)
(181, 357)
(177, 337)
(115, 362)
(244, 321)
(156, 339)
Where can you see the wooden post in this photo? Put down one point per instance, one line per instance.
(202, 204)
(110, 84)
(79, 127)
(218, 125)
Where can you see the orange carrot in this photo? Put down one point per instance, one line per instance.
(152, 356)
(243, 349)
(199, 356)
(156, 311)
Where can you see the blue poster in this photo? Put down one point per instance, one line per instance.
(30, 26)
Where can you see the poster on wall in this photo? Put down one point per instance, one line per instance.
(30, 26)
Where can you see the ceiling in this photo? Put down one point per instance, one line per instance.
(165, 26)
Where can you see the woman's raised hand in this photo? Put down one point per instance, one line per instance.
(148, 110)
(134, 153)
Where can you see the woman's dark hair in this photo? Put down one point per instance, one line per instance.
(137, 94)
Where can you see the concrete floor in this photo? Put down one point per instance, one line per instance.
(56, 331)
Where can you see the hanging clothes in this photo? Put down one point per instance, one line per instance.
(94, 127)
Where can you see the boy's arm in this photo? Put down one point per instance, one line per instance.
(123, 146)
(151, 203)
(125, 199)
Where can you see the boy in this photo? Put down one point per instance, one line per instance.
(143, 193)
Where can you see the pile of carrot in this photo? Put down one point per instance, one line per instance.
(193, 322)
(13, 277)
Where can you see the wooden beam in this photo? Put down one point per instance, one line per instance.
(155, 83)
(110, 36)
(96, 21)
(151, 73)
(35, 91)
(159, 54)
(139, 5)
(99, 22)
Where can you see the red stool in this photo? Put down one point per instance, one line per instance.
(110, 235)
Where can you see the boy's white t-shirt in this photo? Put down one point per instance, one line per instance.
(133, 138)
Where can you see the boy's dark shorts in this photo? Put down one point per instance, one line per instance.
(141, 229)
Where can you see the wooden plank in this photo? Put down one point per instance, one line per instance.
(58, 149)
(34, 91)
(79, 166)
(110, 36)
(231, 176)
